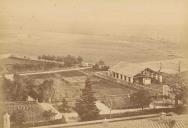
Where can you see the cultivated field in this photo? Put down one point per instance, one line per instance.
(128, 46)
(112, 94)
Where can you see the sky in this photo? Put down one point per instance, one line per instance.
(92, 15)
(77, 25)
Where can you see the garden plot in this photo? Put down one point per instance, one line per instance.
(111, 93)
(76, 80)
(71, 73)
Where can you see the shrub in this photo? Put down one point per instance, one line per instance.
(18, 117)
(48, 114)
(180, 109)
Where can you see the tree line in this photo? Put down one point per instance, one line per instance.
(68, 60)
(100, 66)
(21, 88)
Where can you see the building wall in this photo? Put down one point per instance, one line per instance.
(120, 76)
(160, 79)
(147, 72)
(131, 80)
(154, 75)
(146, 81)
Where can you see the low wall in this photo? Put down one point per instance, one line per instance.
(33, 112)
(98, 121)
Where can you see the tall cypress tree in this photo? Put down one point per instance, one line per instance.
(85, 106)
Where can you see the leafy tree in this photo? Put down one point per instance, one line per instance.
(178, 87)
(96, 67)
(69, 60)
(21, 88)
(85, 106)
(58, 58)
(101, 66)
(46, 90)
(19, 91)
(141, 98)
(64, 107)
(79, 59)
(101, 62)
(39, 57)
(6, 88)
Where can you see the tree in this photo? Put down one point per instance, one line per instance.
(85, 106)
(79, 59)
(39, 57)
(69, 60)
(101, 66)
(7, 87)
(178, 87)
(19, 91)
(141, 98)
(96, 67)
(101, 62)
(46, 90)
(64, 107)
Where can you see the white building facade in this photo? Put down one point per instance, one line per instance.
(146, 77)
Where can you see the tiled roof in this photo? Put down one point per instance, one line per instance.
(147, 124)
(159, 124)
(141, 123)
(167, 66)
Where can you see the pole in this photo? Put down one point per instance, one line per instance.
(179, 67)
(110, 107)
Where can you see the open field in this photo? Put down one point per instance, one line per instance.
(21, 65)
(12, 60)
(7, 63)
(30, 67)
(110, 48)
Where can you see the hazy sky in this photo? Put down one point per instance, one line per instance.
(84, 27)
(85, 15)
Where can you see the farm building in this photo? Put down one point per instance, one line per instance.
(147, 72)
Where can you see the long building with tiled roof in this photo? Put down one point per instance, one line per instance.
(147, 72)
